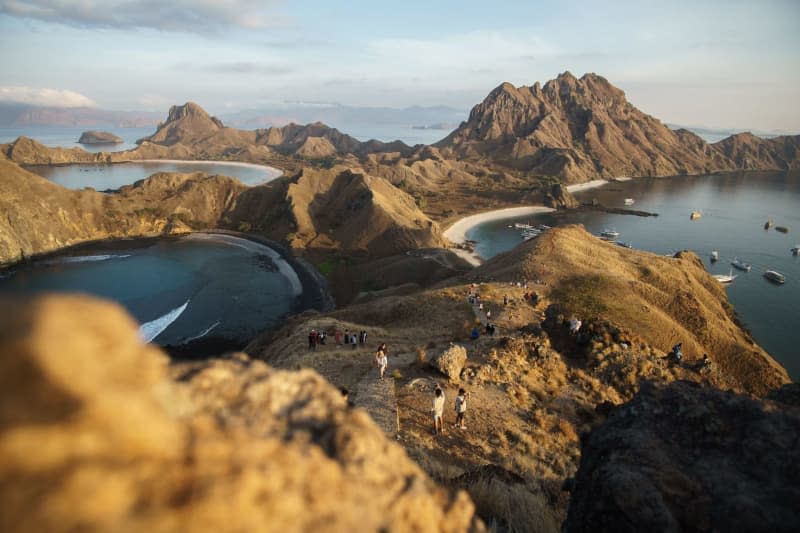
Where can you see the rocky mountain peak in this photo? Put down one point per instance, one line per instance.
(190, 110)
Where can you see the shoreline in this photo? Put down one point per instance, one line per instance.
(272, 173)
(457, 232)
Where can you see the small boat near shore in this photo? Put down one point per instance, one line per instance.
(624, 244)
(741, 265)
(714, 256)
(695, 215)
(775, 277)
(629, 201)
(796, 249)
(782, 229)
(725, 279)
(609, 233)
(522, 225)
(768, 224)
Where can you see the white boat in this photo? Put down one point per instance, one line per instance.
(609, 233)
(796, 249)
(694, 215)
(529, 236)
(741, 265)
(629, 201)
(775, 277)
(624, 244)
(543, 227)
(725, 279)
(522, 225)
(714, 256)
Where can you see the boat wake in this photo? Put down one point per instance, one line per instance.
(202, 333)
(150, 330)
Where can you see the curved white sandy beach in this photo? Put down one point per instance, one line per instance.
(457, 232)
(270, 173)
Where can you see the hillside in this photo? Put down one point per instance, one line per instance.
(342, 210)
(583, 129)
(534, 387)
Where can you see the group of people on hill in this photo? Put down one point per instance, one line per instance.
(348, 338)
(438, 410)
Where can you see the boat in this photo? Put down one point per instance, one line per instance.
(768, 224)
(695, 215)
(529, 236)
(629, 201)
(775, 277)
(522, 225)
(741, 265)
(796, 249)
(725, 279)
(714, 256)
(609, 233)
(543, 227)
(782, 229)
(624, 244)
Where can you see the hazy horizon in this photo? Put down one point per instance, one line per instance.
(718, 65)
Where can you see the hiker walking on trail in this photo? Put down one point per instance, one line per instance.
(312, 340)
(505, 299)
(381, 361)
(461, 408)
(438, 411)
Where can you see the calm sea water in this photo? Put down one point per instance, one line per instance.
(103, 177)
(67, 137)
(180, 289)
(734, 208)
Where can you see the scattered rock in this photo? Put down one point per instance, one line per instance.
(451, 361)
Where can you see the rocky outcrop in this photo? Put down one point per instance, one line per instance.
(96, 437)
(559, 197)
(689, 458)
(99, 137)
(749, 152)
(451, 361)
(583, 129)
(26, 151)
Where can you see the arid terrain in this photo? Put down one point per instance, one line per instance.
(166, 446)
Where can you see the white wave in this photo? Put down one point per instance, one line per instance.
(203, 333)
(255, 247)
(151, 330)
(87, 258)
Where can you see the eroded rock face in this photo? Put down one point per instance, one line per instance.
(95, 436)
(451, 361)
(687, 458)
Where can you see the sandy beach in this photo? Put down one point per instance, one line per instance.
(457, 232)
(271, 173)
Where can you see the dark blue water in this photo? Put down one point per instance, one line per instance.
(67, 137)
(182, 289)
(734, 208)
(105, 177)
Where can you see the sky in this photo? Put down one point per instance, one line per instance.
(717, 64)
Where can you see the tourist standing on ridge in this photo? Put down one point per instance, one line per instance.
(381, 361)
(438, 411)
(461, 408)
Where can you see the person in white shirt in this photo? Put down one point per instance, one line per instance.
(438, 411)
(461, 408)
(382, 361)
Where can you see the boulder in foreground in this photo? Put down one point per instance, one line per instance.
(95, 437)
(689, 458)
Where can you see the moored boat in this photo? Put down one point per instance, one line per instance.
(741, 265)
(695, 215)
(629, 201)
(775, 277)
(782, 229)
(624, 244)
(609, 233)
(725, 279)
(714, 256)
(796, 250)
(522, 225)
(768, 224)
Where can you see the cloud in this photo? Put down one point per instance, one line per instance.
(173, 15)
(246, 67)
(45, 97)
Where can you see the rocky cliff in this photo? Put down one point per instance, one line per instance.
(582, 129)
(689, 458)
(338, 209)
(97, 433)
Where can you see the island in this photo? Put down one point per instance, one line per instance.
(99, 137)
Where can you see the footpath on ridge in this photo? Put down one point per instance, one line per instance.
(378, 397)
